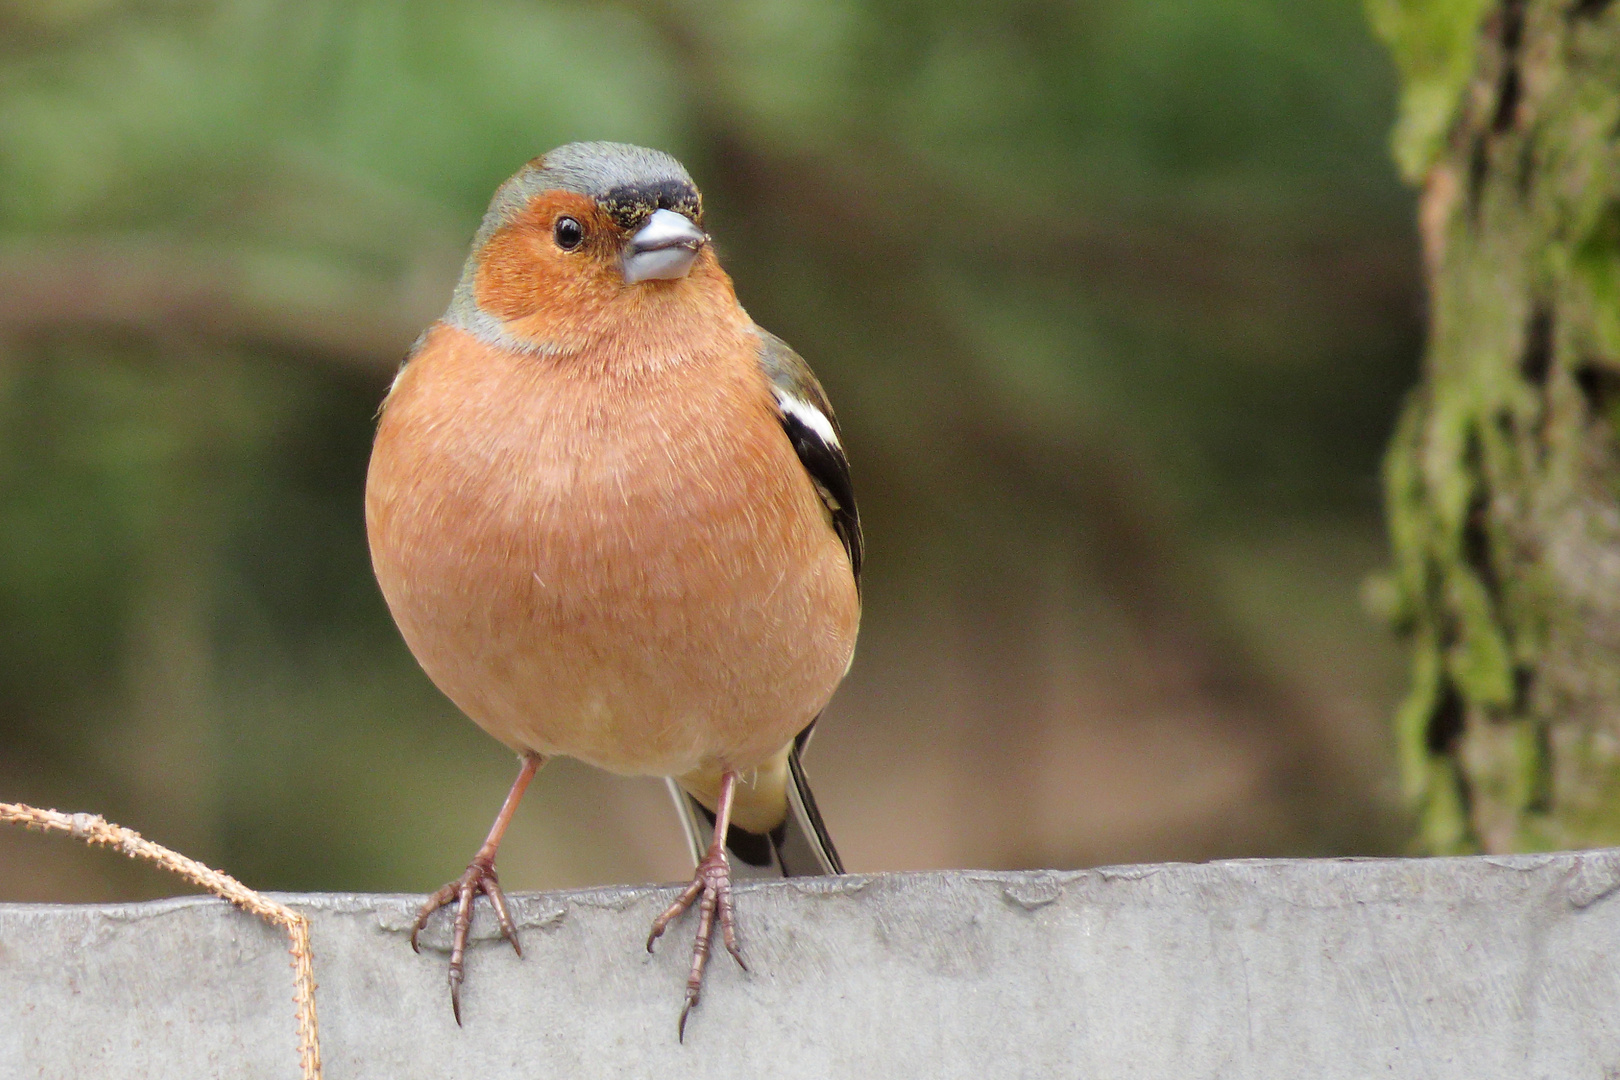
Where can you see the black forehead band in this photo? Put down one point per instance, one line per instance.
(630, 204)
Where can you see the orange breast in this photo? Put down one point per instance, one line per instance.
(630, 568)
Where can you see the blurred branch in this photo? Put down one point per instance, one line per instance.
(157, 285)
(1212, 262)
(873, 190)
(1138, 556)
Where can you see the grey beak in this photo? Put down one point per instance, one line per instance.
(664, 247)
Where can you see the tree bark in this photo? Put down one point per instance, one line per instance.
(1503, 480)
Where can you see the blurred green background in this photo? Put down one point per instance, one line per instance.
(1116, 300)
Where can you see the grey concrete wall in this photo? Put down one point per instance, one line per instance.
(1466, 968)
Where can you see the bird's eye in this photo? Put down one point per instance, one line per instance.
(568, 233)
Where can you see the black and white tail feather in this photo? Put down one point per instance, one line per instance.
(800, 846)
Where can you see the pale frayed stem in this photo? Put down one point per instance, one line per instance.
(95, 829)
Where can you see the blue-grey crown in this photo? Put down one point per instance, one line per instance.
(629, 182)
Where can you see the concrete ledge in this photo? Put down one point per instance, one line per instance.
(1466, 968)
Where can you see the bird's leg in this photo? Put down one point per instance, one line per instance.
(713, 882)
(480, 877)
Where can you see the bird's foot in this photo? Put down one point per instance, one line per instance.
(713, 883)
(479, 878)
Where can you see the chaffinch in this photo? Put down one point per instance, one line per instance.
(613, 520)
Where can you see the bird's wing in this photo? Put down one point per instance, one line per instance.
(813, 430)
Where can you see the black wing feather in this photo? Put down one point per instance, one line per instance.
(823, 459)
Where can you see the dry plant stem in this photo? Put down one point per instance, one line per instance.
(713, 882)
(479, 877)
(94, 829)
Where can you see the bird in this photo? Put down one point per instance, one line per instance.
(613, 520)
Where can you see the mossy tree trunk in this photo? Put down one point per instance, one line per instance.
(1503, 481)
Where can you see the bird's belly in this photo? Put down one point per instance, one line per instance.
(615, 602)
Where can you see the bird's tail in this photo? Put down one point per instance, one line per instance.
(798, 847)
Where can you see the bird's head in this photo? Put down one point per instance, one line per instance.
(590, 240)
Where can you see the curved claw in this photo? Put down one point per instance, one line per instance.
(434, 903)
(682, 902)
(480, 877)
(712, 883)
